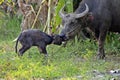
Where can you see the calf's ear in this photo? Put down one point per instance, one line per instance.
(53, 36)
(63, 37)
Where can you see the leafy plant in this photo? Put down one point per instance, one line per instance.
(1, 1)
(76, 61)
(57, 19)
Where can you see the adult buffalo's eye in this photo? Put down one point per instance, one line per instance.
(74, 22)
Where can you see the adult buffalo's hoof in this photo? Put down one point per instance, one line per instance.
(101, 56)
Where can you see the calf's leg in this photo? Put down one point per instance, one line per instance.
(42, 48)
(23, 49)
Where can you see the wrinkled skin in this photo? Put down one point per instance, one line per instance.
(70, 31)
(102, 16)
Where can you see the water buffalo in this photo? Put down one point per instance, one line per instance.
(35, 37)
(100, 16)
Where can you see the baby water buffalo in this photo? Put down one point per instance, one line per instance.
(35, 37)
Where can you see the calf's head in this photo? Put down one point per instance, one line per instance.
(57, 39)
(71, 23)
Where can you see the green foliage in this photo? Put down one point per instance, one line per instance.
(10, 28)
(69, 5)
(112, 43)
(2, 16)
(57, 19)
(9, 1)
(1, 1)
(63, 63)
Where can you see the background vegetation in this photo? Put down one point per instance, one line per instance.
(76, 61)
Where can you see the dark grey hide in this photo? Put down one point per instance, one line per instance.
(100, 16)
(35, 37)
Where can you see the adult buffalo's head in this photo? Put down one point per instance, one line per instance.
(71, 23)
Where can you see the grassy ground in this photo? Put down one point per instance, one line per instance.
(74, 62)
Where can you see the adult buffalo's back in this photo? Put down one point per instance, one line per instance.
(100, 16)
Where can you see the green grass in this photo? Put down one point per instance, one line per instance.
(63, 63)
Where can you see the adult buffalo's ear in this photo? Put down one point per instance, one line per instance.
(90, 16)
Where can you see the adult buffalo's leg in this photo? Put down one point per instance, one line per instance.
(101, 41)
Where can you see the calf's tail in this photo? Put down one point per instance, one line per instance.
(17, 40)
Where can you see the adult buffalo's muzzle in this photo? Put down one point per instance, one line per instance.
(72, 33)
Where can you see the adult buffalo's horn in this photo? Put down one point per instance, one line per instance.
(62, 15)
(83, 13)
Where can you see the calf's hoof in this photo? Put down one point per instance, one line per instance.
(19, 54)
